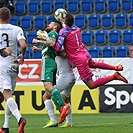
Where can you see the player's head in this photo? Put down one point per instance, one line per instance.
(69, 20)
(54, 25)
(57, 25)
(5, 14)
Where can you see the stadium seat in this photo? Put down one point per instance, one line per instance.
(73, 6)
(113, 6)
(94, 51)
(20, 8)
(108, 52)
(64, 1)
(27, 22)
(121, 20)
(107, 21)
(115, 37)
(80, 21)
(30, 36)
(94, 21)
(86, 6)
(15, 20)
(127, 5)
(59, 4)
(40, 22)
(21, 0)
(100, 6)
(101, 37)
(50, 18)
(28, 53)
(49, 0)
(33, 7)
(131, 20)
(37, 55)
(46, 7)
(122, 51)
(128, 36)
(87, 37)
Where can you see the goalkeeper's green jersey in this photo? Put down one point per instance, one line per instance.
(47, 50)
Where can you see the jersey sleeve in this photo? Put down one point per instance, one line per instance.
(59, 43)
(20, 34)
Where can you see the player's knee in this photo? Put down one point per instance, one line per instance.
(45, 96)
(66, 99)
(92, 65)
(48, 86)
(91, 86)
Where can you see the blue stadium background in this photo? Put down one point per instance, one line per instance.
(107, 25)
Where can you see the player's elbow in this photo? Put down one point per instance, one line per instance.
(23, 46)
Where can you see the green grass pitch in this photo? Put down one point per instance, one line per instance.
(85, 123)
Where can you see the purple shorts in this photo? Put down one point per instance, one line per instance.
(83, 66)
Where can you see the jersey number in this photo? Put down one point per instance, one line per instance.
(6, 38)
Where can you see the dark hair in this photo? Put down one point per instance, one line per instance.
(58, 23)
(5, 14)
(2, 3)
(69, 20)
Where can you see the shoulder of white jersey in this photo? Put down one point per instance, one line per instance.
(16, 27)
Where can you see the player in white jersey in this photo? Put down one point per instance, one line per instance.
(65, 82)
(9, 36)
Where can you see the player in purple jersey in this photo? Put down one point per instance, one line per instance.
(70, 37)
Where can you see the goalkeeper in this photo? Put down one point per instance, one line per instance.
(49, 66)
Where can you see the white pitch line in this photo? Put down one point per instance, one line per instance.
(100, 124)
(88, 125)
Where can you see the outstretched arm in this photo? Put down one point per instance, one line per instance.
(60, 42)
(36, 49)
(49, 42)
(44, 39)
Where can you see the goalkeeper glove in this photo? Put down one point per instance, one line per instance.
(42, 35)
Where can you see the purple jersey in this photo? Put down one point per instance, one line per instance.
(77, 54)
(70, 37)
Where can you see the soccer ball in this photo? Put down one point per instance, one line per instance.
(60, 14)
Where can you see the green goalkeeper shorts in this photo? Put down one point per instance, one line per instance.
(49, 69)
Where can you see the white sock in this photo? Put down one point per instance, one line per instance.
(8, 115)
(13, 108)
(69, 116)
(50, 109)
